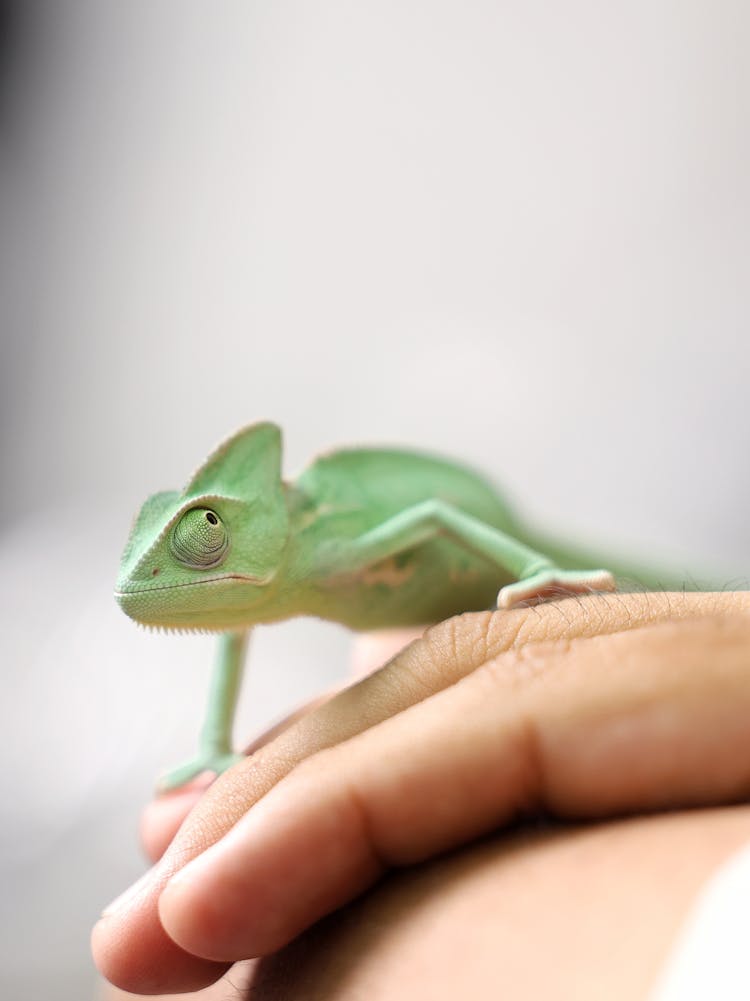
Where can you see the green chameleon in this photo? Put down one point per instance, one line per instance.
(366, 537)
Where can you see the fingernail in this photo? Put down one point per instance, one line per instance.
(121, 902)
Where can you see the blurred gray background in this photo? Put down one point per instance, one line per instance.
(516, 232)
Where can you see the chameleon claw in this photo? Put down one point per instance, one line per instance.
(555, 584)
(180, 776)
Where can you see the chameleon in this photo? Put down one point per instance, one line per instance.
(366, 537)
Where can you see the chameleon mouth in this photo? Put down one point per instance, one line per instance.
(212, 604)
(148, 588)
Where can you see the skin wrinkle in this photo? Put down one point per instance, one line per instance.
(506, 633)
(535, 762)
(356, 803)
(479, 639)
(453, 642)
(377, 826)
(244, 991)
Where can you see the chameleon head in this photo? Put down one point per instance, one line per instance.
(208, 558)
(196, 573)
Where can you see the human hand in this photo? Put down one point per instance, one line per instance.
(582, 708)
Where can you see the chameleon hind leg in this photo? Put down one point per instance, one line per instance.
(215, 742)
(536, 576)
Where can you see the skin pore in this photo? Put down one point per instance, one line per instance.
(620, 719)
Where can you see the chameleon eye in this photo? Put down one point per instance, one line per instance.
(199, 539)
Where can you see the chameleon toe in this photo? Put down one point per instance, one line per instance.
(555, 584)
(212, 763)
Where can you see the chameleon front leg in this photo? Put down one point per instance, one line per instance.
(215, 742)
(536, 576)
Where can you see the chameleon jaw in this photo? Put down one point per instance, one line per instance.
(244, 578)
(187, 605)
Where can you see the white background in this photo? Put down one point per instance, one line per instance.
(512, 232)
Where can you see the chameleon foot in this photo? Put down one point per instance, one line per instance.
(209, 762)
(554, 583)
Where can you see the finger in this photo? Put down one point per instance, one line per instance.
(130, 946)
(162, 817)
(650, 718)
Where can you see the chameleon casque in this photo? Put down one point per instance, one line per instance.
(366, 537)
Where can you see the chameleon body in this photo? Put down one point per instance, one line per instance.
(366, 537)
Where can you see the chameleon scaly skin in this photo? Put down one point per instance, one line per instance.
(366, 537)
